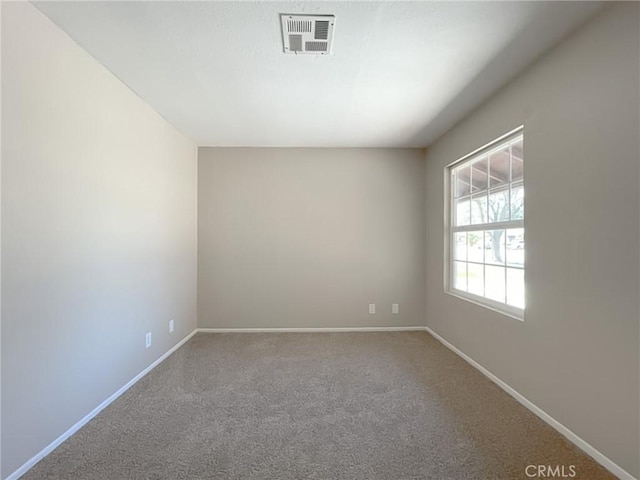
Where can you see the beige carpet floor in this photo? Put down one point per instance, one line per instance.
(368, 406)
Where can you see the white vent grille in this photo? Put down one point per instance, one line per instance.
(299, 26)
(315, 46)
(307, 34)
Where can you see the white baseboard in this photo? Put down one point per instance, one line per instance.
(599, 457)
(53, 445)
(572, 437)
(310, 330)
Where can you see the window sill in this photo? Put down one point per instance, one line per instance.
(506, 310)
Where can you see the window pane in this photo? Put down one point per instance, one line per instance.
(463, 186)
(515, 247)
(479, 175)
(517, 160)
(460, 276)
(494, 283)
(499, 206)
(499, 167)
(517, 202)
(515, 287)
(476, 246)
(476, 279)
(462, 211)
(494, 247)
(460, 246)
(487, 248)
(479, 209)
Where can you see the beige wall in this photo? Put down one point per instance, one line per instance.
(310, 237)
(576, 353)
(99, 233)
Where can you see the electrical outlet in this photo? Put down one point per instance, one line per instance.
(395, 308)
(372, 308)
(147, 340)
(171, 326)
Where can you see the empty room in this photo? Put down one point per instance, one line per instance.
(289, 240)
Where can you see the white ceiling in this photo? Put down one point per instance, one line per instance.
(401, 73)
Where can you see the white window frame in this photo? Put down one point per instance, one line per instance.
(451, 229)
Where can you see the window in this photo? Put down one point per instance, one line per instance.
(486, 226)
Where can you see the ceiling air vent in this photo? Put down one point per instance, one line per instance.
(307, 34)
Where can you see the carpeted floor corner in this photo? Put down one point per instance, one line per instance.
(326, 406)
